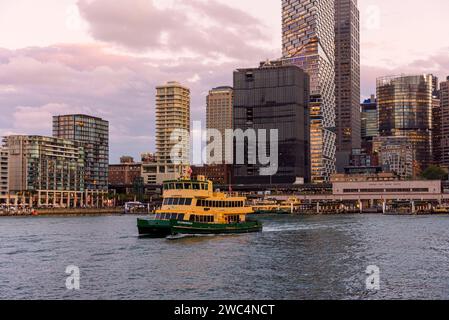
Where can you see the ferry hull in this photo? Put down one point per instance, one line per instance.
(204, 229)
(164, 228)
(154, 228)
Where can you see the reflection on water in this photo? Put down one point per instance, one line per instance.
(318, 257)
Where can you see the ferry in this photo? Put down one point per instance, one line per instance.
(192, 207)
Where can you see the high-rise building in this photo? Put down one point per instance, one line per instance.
(436, 130)
(3, 174)
(172, 130)
(444, 105)
(47, 171)
(347, 79)
(405, 109)
(219, 117)
(308, 36)
(93, 133)
(370, 123)
(273, 97)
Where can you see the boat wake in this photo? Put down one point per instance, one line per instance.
(289, 227)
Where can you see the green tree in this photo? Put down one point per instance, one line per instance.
(435, 173)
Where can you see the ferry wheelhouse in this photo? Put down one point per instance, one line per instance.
(192, 207)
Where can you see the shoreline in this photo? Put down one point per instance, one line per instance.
(120, 211)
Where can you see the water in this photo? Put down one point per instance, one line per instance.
(321, 257)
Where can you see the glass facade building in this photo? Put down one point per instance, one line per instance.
(93, 133)
(273, 97)
(308, 37)
(45, 163)
(405, 109)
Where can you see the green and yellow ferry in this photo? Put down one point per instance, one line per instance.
(192, 207)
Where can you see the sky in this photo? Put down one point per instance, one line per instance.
(105, 57)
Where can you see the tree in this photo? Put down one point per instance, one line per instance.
(435, 173)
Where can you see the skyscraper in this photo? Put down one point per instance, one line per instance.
(444, 105)
(347, 79)
(273, 97)
(436, 130)
(219, 115)
(370, 123)
(93, 133)
(172, 130)
(405, 109)
(308, 36)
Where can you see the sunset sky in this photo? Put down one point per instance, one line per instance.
(105, 57)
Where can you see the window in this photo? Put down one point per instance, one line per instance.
(188, 202)
(192, 218)
(170, 201)
(181, 217)
(176, 201)
(174, 216)
(179, 186)
(196, 186)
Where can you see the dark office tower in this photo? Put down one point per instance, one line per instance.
(308, 41)
(444, 105)
(405, 109)
(347, 80)
(273, 97)
(94, 134)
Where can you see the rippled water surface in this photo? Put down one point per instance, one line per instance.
(322, 257)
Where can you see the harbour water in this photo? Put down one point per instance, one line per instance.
(317, 257)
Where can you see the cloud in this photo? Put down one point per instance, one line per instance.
(199, 28)
(436, 64)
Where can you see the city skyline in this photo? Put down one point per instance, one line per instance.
(79, 65)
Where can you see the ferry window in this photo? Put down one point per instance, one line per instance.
(182, 201)
(198, 203)
(165, 201)
(181, 217)
(188, 201)
(212, 219)
(196, 186)
(222, 204)
(172, 186)
(204, 186)
(187, 186)
(179, 186)
(170, 201)
(192, 218)
(158, 216)
(175, 201)
(166, 186)
(174, 216)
